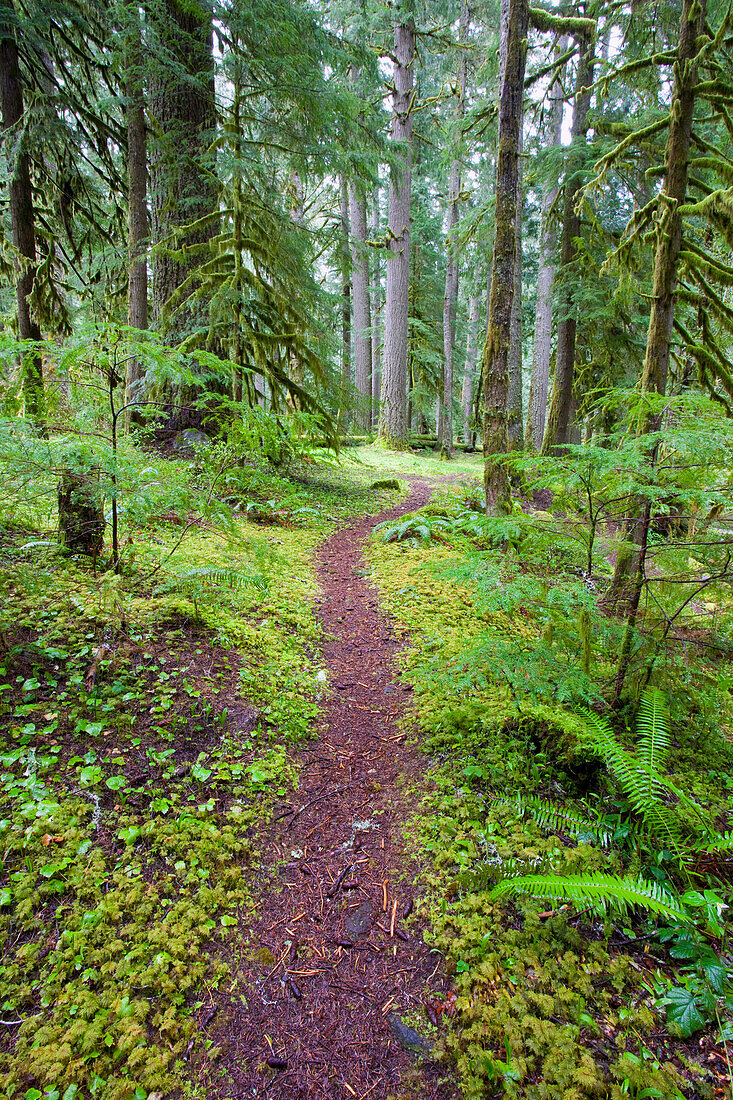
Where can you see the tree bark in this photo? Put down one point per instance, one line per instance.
(495, 359)
(22, 213)
(445, 411)
(469, 367)
(137, 184)
(376, 306)
(362, 305)
(539, 384)
(514, 396)
(393, 428)
(625, 591)
(450, 297)
(345, 305)
(557, 431)
(183, 184)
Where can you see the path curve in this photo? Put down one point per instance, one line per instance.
(316, 1023)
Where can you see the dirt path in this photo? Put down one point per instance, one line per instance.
(334, 965)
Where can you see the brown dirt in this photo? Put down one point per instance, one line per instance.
(313, 995)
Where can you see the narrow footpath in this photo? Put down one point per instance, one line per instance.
(339, 970)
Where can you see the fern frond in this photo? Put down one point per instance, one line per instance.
(600, 892)
(713, 845)
(489, 870)
(222, 578)
(645, 789)
(556, 819)
(652, 729)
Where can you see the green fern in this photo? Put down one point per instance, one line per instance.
(600, 892)
(561, 819)
(652, 729)
(715, 845)
(217, 576)
(652, 795)
(424, 527)
(490, 870)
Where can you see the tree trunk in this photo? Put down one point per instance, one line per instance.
(362, 305)
(183, 185)
(445, 417)
(495, 359)
(625, 591)
(539, 384)
(469, 368)
(137, 221)
(450, 297)
(393, 429)
(376, 305)
(514, 397)
(22, 214)
(345, 306)
(557, 432)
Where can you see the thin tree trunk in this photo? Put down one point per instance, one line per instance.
(362, 305)
(345, 306)
(623, 591)
(495, 359)
(393, 428)
(469, 367)
(539, 384)
(376, 305)
(445, 404)
(137, 221)
(557, 431)
(450, 297)
(22, 214)
(514, 396)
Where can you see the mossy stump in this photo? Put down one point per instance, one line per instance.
(81, 512)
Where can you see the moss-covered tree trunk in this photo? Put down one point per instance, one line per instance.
(22, 213)
(393, 425)
(495, 361)
(557, 431)
(626, 586)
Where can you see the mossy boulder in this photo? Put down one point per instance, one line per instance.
(387, 483)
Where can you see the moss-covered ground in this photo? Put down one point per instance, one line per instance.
(551, 1000)
(147, 724)
(148, 721)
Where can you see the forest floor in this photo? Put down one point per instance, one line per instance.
(250, 791)
(337, 995)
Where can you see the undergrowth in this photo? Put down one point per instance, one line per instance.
(147, 719)
(507, 654)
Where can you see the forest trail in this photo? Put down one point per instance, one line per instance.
(329, 965)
